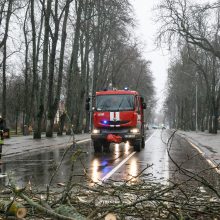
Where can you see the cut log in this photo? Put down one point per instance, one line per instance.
(110, 216)
(13, 209)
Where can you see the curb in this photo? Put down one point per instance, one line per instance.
(196, 145)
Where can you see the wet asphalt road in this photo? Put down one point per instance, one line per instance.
(153, 163)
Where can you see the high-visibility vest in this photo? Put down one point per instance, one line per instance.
(1, 141)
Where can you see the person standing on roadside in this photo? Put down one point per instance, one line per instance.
(2, 129)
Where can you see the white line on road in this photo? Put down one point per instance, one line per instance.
(108, 175)
(117, 167)
(150, 137)
(77, 142)
(85, 140)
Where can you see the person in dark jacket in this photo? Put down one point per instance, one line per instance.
(2, 129)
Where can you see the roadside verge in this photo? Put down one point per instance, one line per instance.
(208, 145)
(16, 146)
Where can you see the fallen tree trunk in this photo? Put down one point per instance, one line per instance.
(13, 209)
(49, 212)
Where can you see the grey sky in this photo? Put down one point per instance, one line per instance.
(146, 31)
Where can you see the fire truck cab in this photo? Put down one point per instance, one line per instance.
(118, 116)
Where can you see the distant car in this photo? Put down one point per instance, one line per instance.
(155, 127)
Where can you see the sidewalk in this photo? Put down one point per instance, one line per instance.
(26, 144)
(209, 144)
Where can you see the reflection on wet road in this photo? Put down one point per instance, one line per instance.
(151, 162)
(122, 163)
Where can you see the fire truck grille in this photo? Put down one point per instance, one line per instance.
(115, 130)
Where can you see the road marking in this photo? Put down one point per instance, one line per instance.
(85, 140)
(150, 137)
(77, 142)
(108, 175)
(117, 167)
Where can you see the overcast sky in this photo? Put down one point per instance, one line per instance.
(146, 31)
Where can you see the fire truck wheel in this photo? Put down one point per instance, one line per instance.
(137, 146)
(106, 146)
(142, 143)
(97, 146)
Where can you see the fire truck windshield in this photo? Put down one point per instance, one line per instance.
(114, 102)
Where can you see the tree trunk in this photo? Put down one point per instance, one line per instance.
(4, 81)
(73, 69)
(13, 209)
(35, 56)
(41, 108)
(60, 72)
(215, 121)
(26, 111)
(87, 95)
(61, 124)
(34, 92)
(8, 17)
(51, 109)
(3, 44)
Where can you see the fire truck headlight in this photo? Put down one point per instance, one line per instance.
(135, 130)
(96, 131)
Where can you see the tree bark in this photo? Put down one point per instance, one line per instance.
(26, 110)
(4, 82)
(3, 44)
(55, 104)
(73, 71)
(41, 106)
(8, 16)
(51, 109)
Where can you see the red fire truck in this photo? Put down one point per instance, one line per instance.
(118, 116)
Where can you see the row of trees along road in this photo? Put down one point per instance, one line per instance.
(194, 27)
(52, 50)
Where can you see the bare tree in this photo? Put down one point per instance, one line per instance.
(97, 48)
(54, 102)
(188, 22)
(73, 72)
(41, 105)
(3, 43)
